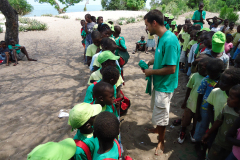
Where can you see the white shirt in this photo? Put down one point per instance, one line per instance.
(192, 53)
(215, 29)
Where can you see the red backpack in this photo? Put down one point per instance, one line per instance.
(84, 147)
(124, 103)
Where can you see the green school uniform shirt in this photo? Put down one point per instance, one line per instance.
(122, 42)
(89, 94)
(218, 99)
(141, 42)
(193, 83)
(109, 108)
(175, 30)
(192, 42)
(197, 16)
(13, 47)
(91, 50)
(167, 26)
(88, 140)
(186, 38)
(167, 53)
(236, 37)
(113, 153)
(227, 116)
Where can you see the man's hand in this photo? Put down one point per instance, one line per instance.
(148, 72)
(205, 138)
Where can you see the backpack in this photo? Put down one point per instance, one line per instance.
(124, 104)
(84, 147)
(124, 56)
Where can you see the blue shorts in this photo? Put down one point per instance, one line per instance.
(236, 53)
(202, 126)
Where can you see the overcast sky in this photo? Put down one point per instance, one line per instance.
(91, 2)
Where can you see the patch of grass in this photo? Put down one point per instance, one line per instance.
(47, 15)
(2, 24)
(189, 16)
(64, 17)
(31, 25)
(131, 20)
(1, 29)
(79, 19)
(122, 18)
(120, 23)
(140, 16)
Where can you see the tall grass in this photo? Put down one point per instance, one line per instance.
(64, 17)
(31, 25)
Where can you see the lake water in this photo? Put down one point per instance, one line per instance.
(48, 9)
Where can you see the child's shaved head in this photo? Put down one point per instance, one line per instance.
(110, 74)
(100, 88)
(106, 127)
(117, 29)
(96, 34)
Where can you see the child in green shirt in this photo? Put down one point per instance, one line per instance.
(106, 129)
(141, 45)
(110, 75)
(190, 102)
(120, 41)
(104, 95)
(222, 148)
(95, 47)
(81, 117)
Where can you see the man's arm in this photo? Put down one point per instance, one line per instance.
(186, 98)
(170, 69)
(221, 20)
(85, 28)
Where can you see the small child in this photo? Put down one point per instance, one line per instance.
(5, 54)
(233, 137)
(104, 95)
(221, 148)
(225, 27)
(106, 58)
(93, 48)
(179, 29)
(81, 117)
(236, 42)
(99, 21)
(110, 75)
(214, 21)
(62, 150)
(170, 19)
(141, 45)
(106, 130)
(151, 41)
(83, 34)
(120, 41)
(215, 27)
(228, 45)
(173, 28)
(191, 55)
(231, 29)
(190, 102)
(214, 69)
(88, 27)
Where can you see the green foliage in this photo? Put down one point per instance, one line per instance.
(55, 4)
(123, 4)
(79, 19)
(85, 8)
(228, 13)
(1, 29)
(31, 25)
(47, 15)
(21, 6)
(64, 17)
(131, 20)
(122, 18)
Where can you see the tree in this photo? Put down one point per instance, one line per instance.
(11, 16)
(54, 3)
(123, 4)
(21, 6)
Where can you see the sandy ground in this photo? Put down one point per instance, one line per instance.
(32, 93)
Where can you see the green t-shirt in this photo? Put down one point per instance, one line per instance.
(122, 42)
(186, 38)
(113, 153)
(228, 117)
(109, 108)
(13, 47)
(193, 83)
(197, 16)
(141, 42)
(167, 53)
(91, 50)
(167, 26)
(175, 30)
(192, 42)
(88, 140)
(89, 94)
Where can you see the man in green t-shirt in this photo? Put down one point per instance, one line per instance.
(164, 73)
(199, 15)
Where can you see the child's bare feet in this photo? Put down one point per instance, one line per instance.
(152, 130)
(30, 59)
(15, 64)
(159, 149)
(7, 64)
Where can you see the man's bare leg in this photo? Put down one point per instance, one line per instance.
(137, 47)
(26, 53)
(146, 48)
(15, 57)
(7, 56)
(161, 135)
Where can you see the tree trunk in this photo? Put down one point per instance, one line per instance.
(11, 21)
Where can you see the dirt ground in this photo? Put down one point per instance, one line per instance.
(32, 93)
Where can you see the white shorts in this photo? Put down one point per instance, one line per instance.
(160, 105)
(182, 57)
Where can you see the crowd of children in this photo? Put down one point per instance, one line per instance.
(212, 98)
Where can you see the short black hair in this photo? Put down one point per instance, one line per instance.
(226, 20)
(201, 3)
(99, 18)
(117, 29)
(236, 88)
(108, 42)
(88, 15)
(3, 42)
(109, 73)
(100, 88)
(232, 23)
(96, 34)
(103, 27)
(142, 37)
(179, 26)
(229, 35)
(196, 27)
(205, 60)
(82, 20)
(189, 26)
(234, 74)
(155, 15)
(106, 126)
(215, 65)
(93, 18)
(194, 32)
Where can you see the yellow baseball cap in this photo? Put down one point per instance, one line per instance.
(81, 113)
(218, 41)
(106, 55)
(63, 150)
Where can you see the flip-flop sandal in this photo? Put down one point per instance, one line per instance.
(177, 122)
